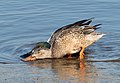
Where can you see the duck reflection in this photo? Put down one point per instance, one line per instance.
(69, 69)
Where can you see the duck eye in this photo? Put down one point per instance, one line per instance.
(41, 53)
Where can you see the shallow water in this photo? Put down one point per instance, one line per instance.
(25, 22)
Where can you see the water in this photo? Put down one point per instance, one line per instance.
(24, 22)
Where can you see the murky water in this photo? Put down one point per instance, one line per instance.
(24, 22)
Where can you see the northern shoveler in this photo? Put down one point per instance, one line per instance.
(67, 40)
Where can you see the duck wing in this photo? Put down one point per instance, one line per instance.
(73, 25)
(89, 29)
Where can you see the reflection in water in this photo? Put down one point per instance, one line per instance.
(69, 70)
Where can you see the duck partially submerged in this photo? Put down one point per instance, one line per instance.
(67, 40)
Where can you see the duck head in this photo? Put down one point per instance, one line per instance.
(40, 51)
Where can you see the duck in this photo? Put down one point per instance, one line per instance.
(40, 50)
(66, 40)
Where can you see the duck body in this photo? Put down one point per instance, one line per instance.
(71, 40)
(67, 40)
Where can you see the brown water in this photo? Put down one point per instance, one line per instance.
(25, 22)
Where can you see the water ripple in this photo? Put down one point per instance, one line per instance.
(24, 22)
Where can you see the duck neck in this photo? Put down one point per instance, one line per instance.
(49, 54)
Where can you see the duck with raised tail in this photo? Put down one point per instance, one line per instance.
(67, 40)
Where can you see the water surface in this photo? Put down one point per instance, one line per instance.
(25, 22)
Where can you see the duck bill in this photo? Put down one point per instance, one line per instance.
(29, 58)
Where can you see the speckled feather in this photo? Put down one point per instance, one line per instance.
(70, 41)
(73, 25)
